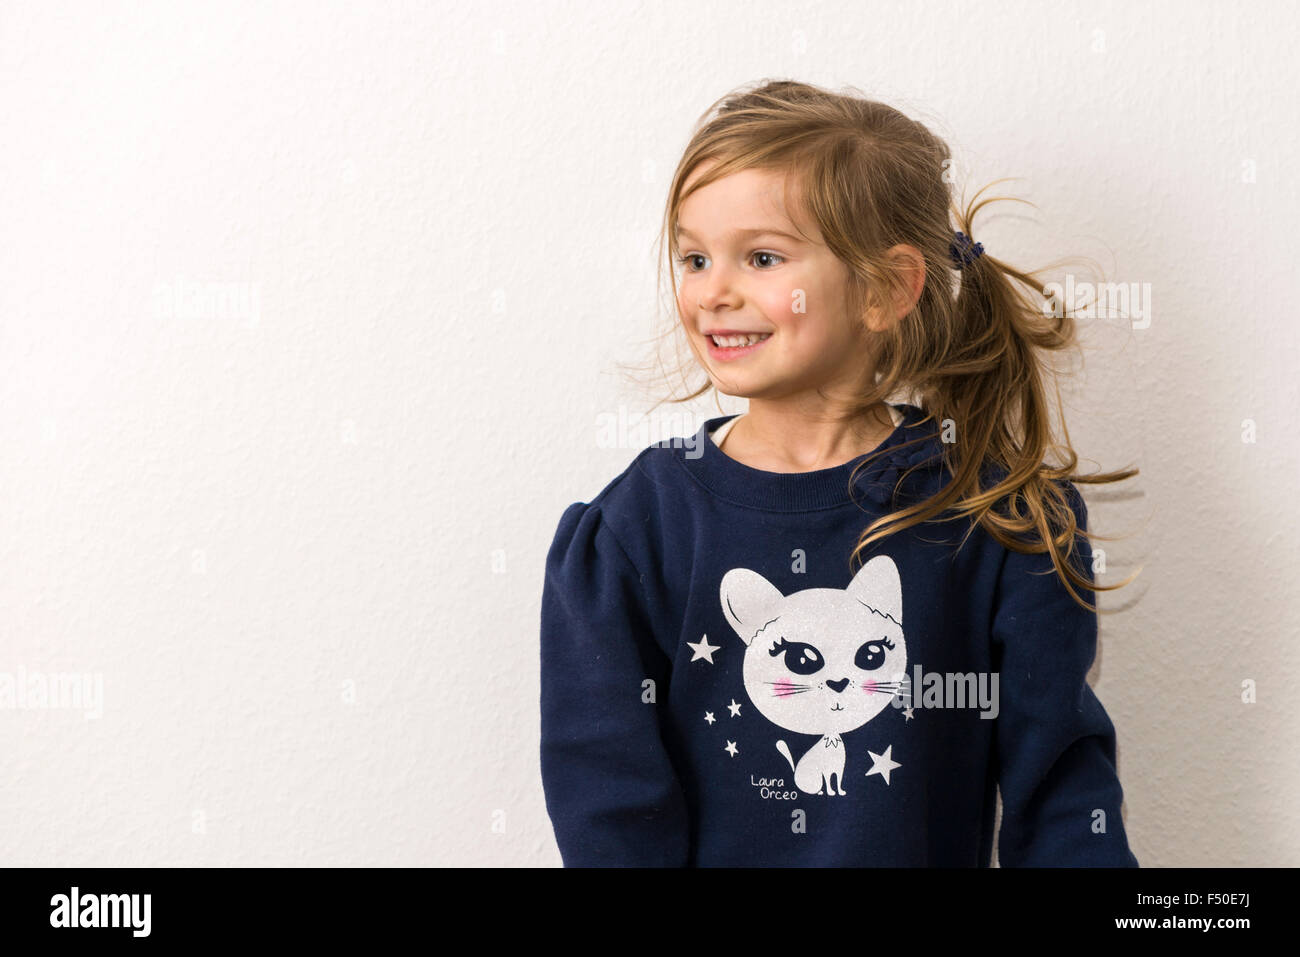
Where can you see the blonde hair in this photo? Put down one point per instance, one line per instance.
(871, 178)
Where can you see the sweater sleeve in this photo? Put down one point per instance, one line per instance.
(611, 790)
(1055, 742)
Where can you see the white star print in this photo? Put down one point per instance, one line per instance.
(734, 708)
(731, 747)
(702, 649)
(708, 716)
(882, 764)
(907, 714)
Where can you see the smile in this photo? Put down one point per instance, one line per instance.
(733, 347)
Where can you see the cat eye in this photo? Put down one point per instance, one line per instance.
(800, 658)
(872, 655)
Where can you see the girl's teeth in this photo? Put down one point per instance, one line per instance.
(732, 342)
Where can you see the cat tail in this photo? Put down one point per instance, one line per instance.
(785, 749)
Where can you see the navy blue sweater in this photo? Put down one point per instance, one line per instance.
(720, 687)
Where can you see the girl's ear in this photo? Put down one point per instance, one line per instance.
(909, 263)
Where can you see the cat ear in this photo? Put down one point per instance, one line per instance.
(749, 601)
(877, 586)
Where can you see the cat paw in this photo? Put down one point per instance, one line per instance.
(842, 791)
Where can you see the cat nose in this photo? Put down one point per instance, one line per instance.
(839, 685)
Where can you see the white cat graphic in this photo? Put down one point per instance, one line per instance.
(820, 661)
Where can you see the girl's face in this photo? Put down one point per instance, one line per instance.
(745, 269)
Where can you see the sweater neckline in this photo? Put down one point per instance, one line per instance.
(741, 484)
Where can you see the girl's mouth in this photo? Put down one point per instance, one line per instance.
(725, 348)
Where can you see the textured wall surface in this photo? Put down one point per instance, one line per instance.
(309, 314)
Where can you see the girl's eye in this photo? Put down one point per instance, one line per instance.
(691, 257)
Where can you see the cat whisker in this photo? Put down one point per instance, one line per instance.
(884, 687)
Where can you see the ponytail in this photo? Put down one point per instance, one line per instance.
(992, 390)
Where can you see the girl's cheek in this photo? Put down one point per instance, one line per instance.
(683, 303)
(786, 304)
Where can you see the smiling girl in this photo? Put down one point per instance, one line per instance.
(746, 309)
(812, 602)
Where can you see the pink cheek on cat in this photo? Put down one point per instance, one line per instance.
(869, 686)
(783, 688)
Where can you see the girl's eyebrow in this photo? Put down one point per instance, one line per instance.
(682, 231)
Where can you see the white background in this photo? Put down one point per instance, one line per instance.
(301, 541)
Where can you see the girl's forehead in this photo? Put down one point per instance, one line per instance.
(746, 201)
(767, 190)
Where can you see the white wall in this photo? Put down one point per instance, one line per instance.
(270, 530)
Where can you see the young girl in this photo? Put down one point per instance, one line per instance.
(829, 630)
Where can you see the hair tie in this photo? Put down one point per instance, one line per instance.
(963, 251)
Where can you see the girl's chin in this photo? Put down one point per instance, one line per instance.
(741, 387)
